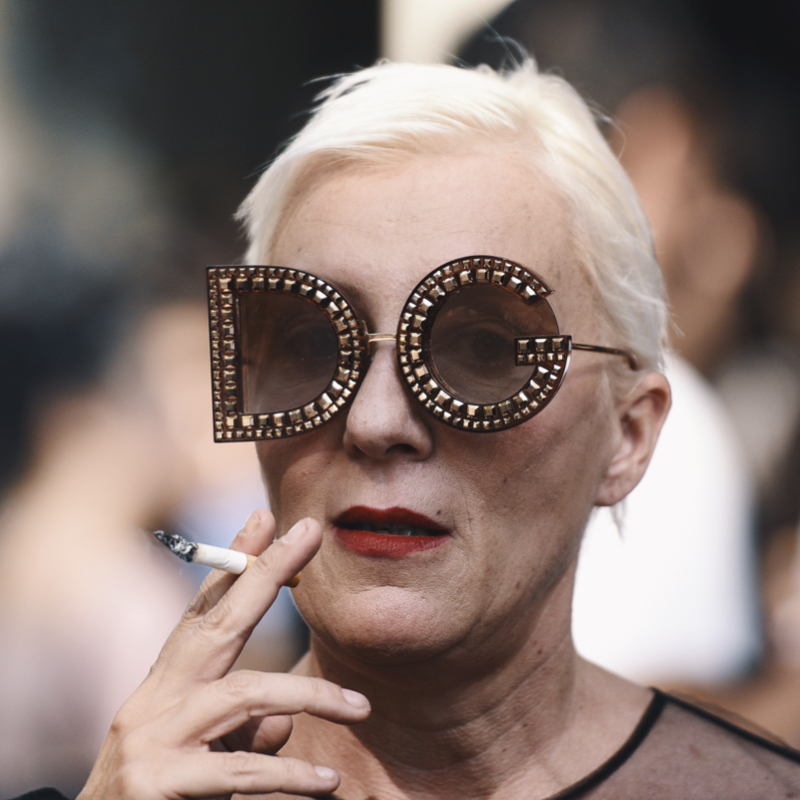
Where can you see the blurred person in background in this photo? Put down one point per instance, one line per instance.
(128, 187)
(105, 437)
(89, 458)
(704, 97)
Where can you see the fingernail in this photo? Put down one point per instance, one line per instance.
(295, 532)
(326, 773)
(248, 525)
(356, 699)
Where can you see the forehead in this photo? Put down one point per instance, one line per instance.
(381, 229)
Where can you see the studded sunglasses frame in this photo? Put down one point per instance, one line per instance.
(548, 356)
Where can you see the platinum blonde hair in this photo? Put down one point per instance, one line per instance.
(390, 112)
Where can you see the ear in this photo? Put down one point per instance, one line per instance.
(641, 413)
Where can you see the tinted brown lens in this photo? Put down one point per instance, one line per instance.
(472, 346)
(289, 351)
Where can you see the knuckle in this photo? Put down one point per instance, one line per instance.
(215, 627)
(242, 764)
(200, 603)
(270, 564)
(206, 598)
(217, 617)
(296, 772)
(134, 781)
(124, 720)
(294, 768)
(197, 605)
(132, 745)
(241, 683)
(321, 691)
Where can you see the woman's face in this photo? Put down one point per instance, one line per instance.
(505, 510)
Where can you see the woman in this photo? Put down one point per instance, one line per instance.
(401, 368)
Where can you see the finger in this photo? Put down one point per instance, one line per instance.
(218, 708)
(209, 648)
(246, 602)
(205, 774)
(255, 537)
(261, 734)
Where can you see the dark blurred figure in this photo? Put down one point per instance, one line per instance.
(705, 99)
(209, 90)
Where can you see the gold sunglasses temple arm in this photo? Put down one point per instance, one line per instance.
(633, 362)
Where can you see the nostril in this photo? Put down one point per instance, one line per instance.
(401, 450)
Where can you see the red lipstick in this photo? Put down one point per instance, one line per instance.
(392, 532)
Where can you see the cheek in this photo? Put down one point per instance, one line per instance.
(543, 475)
(293, 471)
(580, 444)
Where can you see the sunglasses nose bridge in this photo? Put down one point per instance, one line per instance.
(373, 338)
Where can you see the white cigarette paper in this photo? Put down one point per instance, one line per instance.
(208, 555)
(221, 558)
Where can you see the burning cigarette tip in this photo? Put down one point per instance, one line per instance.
(208, 555)
(182, 548)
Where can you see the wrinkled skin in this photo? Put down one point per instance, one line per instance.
(464, 650)
(516, 501)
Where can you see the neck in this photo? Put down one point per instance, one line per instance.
(437, 730)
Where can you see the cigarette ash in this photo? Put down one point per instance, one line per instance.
(182, 548)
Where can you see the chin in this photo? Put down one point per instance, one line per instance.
(385, 625)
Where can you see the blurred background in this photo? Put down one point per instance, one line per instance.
(129, 134)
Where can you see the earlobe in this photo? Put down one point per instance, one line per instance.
(641, 414)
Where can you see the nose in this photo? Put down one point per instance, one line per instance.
(384, 421)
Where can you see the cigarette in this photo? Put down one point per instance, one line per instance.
(208, 555)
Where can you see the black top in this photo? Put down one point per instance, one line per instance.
(681, 752)
(677, 752)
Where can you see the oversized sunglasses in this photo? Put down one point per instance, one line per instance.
(477, 343)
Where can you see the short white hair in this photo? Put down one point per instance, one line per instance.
(390, 112)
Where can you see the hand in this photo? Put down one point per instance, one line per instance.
(192, 729)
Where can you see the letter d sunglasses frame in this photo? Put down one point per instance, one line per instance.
(546, 356)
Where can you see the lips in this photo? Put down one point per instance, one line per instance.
(392, 532)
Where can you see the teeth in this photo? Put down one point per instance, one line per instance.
(395, 530)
